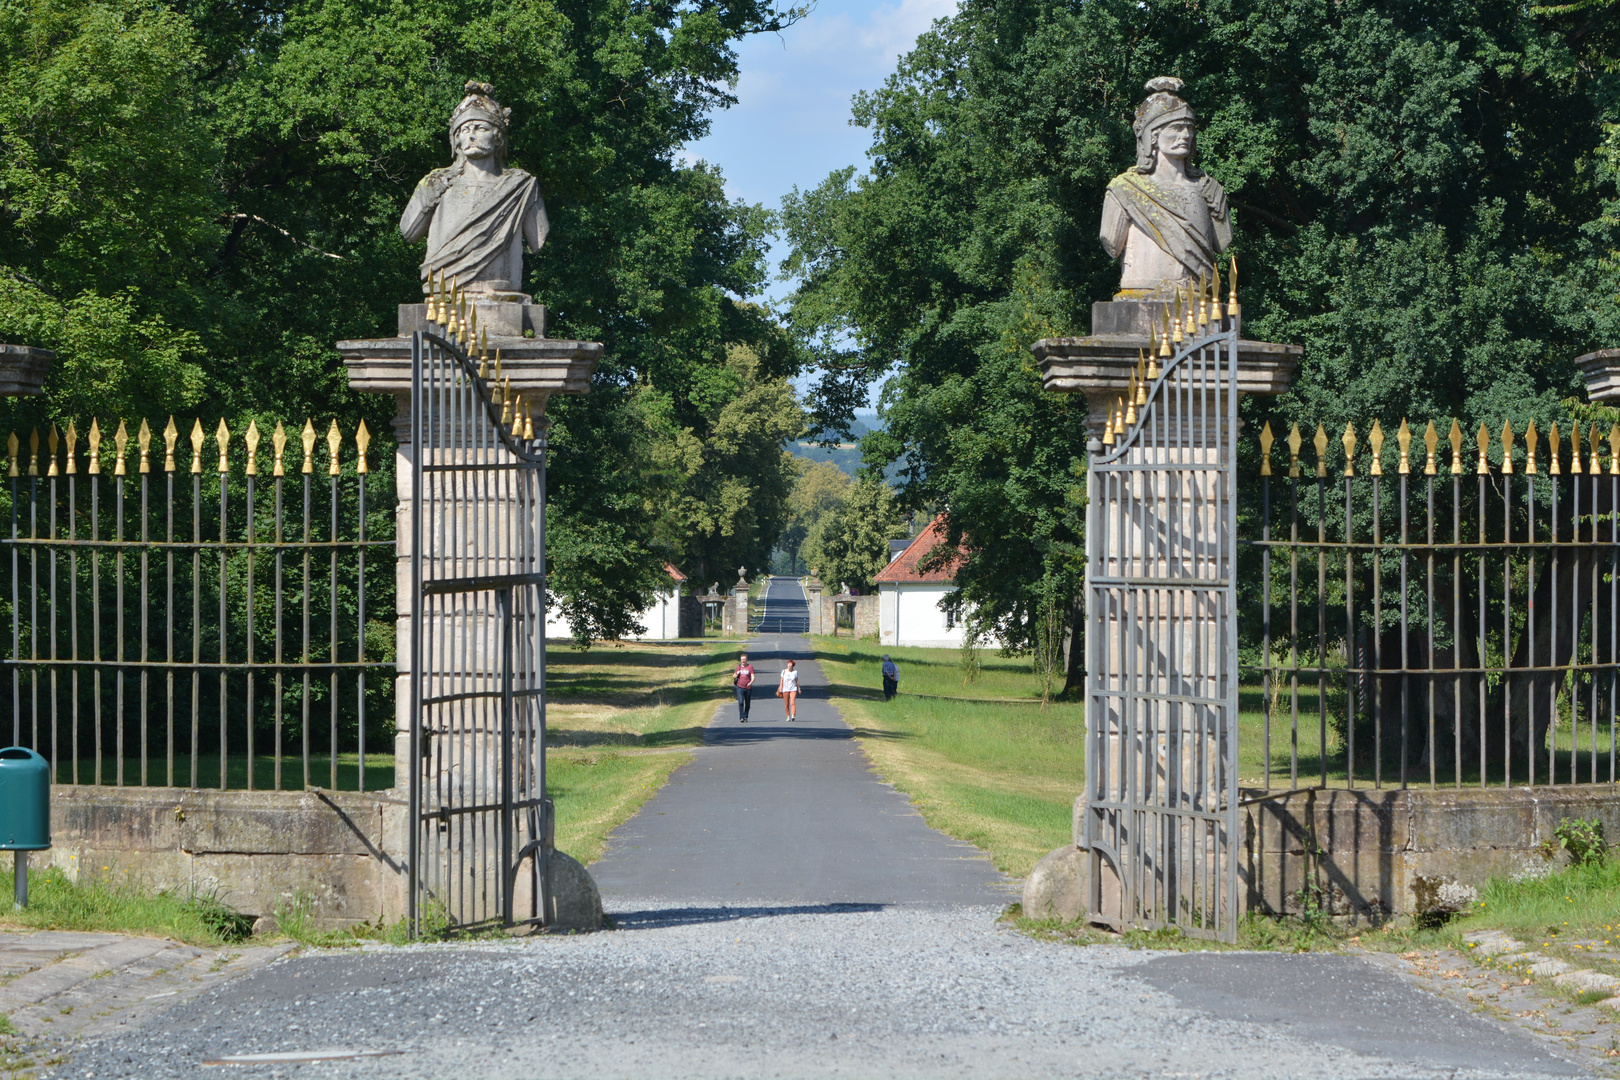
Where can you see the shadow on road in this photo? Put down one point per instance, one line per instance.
(657, 918)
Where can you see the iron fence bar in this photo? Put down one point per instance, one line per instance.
(168, 625)
(303, 585)
(252, 677)
(146, 638)
(1456, 618)
(1265, 622)
(1405, 638)
(1350, 639)
(1428, 579)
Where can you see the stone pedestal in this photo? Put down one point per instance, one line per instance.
(23, 369)
(812, 591)
(1159, 522)
(1602, 371)
(734, 620)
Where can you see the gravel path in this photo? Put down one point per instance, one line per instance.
(807, 991)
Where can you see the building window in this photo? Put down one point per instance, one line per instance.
(950, 619)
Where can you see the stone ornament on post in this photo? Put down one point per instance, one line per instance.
(23, 369)
(1162, 373)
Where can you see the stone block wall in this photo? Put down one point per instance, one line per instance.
(344, 851)
(689, 620)
(866, 617)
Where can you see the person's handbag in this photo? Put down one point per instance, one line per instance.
(779, 693)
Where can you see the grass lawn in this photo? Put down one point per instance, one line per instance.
(619, 720)
(983, 762)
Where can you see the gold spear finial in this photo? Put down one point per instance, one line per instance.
(1164, 338)
(120, 441)
(1375, 439)
(94, 468)
(52, 439)
(528, 418)
(222, 436)
(278, 440)
(1507, 448)
(1553, 465)
(1350, 450)
(1215, 311)
(506, 404)
(70, 439)
(1531, 437)
(1192, 314)
(334, 444)
(1403, 439)
(1294, 443)
(362, 440)
(1576, 465)
(1431, 439)
(309, 446)
(1203, 300)
(1592, 441)
(1130, 402)
(1614, 449)
(252, 441)
(1231, 299)
(1175, 323)
(1153, 357)
(12, 445)
(171, 438)
(1483, 438)
(33, 453)
(1266, 439)
(1141, 378)
(143, 446)
(1108, 428)
(1119, 416)
(1456, 438)
(197, 438)
(432, 312)
(1321, 443)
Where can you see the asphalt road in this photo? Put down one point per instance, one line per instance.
(781, 912)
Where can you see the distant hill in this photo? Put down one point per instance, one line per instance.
(846, 455)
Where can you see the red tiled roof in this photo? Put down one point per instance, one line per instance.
(674, 573)
(902, 569)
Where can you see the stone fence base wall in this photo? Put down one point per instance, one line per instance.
(1367, 854)
(866, 617)
(256, 850)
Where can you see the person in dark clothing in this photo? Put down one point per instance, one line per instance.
(891, 678)
(742, 680)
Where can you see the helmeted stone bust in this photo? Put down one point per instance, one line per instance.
(477, 214)
(1165, 218)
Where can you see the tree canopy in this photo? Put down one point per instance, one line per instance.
(1424, 198)
(197, 200)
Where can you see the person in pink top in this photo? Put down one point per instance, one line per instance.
(742, 680)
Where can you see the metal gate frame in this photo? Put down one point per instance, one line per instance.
(478, 808)
(1159, 812)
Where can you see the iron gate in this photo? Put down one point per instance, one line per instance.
(477, 721)
(1161, 778)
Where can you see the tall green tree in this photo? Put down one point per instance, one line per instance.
(197, 200)
(819, 488)
(1424, 198)
(850, 544)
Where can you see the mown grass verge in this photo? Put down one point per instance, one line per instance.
(619, 720)
(984, 761)
(103, 904)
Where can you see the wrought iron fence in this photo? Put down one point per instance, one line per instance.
(236, 631)
(1434, 622)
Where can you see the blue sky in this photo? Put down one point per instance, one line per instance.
(790, 126)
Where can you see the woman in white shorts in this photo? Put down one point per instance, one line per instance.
(788, 688)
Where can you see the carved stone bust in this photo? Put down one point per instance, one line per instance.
(1164, 218)
(477, 215)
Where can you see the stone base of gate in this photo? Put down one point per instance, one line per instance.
(1366, 855)
(342, 853)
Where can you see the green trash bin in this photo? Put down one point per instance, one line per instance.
(25, 809)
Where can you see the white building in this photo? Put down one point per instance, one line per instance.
(908, 599)
(662, 619)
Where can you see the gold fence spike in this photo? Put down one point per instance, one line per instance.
(33, 453)
(197, 440)
(362, 439)
(1403, 439)
(1215, 312)
(1531, 437)
(171, 436)
(1266, 439)
(1592, 441)
(1456, 448)
(71, 438)
(1231, 299)
(278, 440)
(1108, 428)
(472, 324)
(1431, 439)
(143, 439)
(1375, 439)
(94, 468)
(1484, 441)
(120, 441)
(432, 312)
(1192, 314)
(518, 406)
(1349, 451)
(1119, 416)
(1141, 378)
(1294, 443)
(309, 446)
(1552, 450)
(334, 445)
(1576, 465)
(1175, 322)
(1321, 442)
(12, 445)
(1203, 300)
(51, 441)
(528, 420)
(1130, 402)
(506, 404)
(222, 436)
(1164, 337)
(1153, 358)
(1507, 448)
(1614, 449)
(252, 441)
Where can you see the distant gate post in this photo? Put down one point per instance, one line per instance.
(735, 617)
